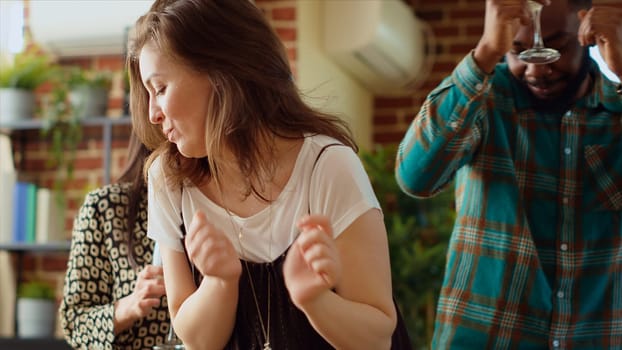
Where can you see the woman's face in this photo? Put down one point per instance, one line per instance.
(178, 100)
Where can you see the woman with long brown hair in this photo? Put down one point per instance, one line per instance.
(263, 195)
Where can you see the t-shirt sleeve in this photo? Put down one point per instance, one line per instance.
(164, 209)
(340, 188)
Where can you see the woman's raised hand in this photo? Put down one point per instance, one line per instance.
(313, 263)
(211, 251)
(602, 26)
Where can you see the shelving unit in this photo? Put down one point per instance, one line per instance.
(104, 122)
(23, 249)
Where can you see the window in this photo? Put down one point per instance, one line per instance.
(601, 63)
(11, 26)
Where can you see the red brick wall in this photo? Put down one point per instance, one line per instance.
(457, 26)
(282, 16)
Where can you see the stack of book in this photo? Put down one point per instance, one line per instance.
(37, 217)
(28, 213)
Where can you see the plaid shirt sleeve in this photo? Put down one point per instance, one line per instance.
(446, 132)
(535, 257)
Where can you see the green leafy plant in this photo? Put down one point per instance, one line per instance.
(79, 77)
(63, 129)
(418, 232)
(36, 290)
(88, 91)
(26, 71)
(62, 120)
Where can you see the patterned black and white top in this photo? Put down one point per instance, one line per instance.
(99, 273)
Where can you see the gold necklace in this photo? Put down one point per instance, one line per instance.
(264, 329)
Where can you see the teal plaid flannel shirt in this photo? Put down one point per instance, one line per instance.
(535, 257)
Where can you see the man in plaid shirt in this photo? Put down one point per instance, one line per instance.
(535, 258)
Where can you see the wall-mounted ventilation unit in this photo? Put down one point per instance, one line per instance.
(380, 42)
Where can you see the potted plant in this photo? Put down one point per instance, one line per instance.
(36, 310)
(88, 91)
(19, 77)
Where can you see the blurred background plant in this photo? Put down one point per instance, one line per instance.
(36, 290)
(76, 93)
(62, 128)
(77, 76)
(20, 75)
(26, 70)
(35, 311)
(418, 232)
(88, 91)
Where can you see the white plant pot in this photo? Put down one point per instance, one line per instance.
(16, 105)
(36, 318)
(89, 101)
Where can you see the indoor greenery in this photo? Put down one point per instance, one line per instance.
(418, 232)
(26, 70)
(88, 91)
(77, 77)
(62, 120)
(36, 290)
(35, 310)
(64, 131)
(20, 75)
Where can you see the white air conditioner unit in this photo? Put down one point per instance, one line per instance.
(84, 28)
(379, 42)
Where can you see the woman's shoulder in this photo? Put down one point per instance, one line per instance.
(155, 167)
(326, 147)
(322, 143)
(320, 140)
(155, 173)
(331, 159)
(116, 193)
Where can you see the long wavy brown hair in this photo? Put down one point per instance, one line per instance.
(254, 95)
(133, 174)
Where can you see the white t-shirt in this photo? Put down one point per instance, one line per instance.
(339, 189)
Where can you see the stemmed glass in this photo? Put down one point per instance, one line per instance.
(538, 54)
(172, 342)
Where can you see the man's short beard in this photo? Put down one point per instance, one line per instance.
(562, 103)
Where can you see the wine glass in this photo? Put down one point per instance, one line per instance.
(538, 54)
(172, 342)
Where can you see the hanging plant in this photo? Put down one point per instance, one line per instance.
(63, 130)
